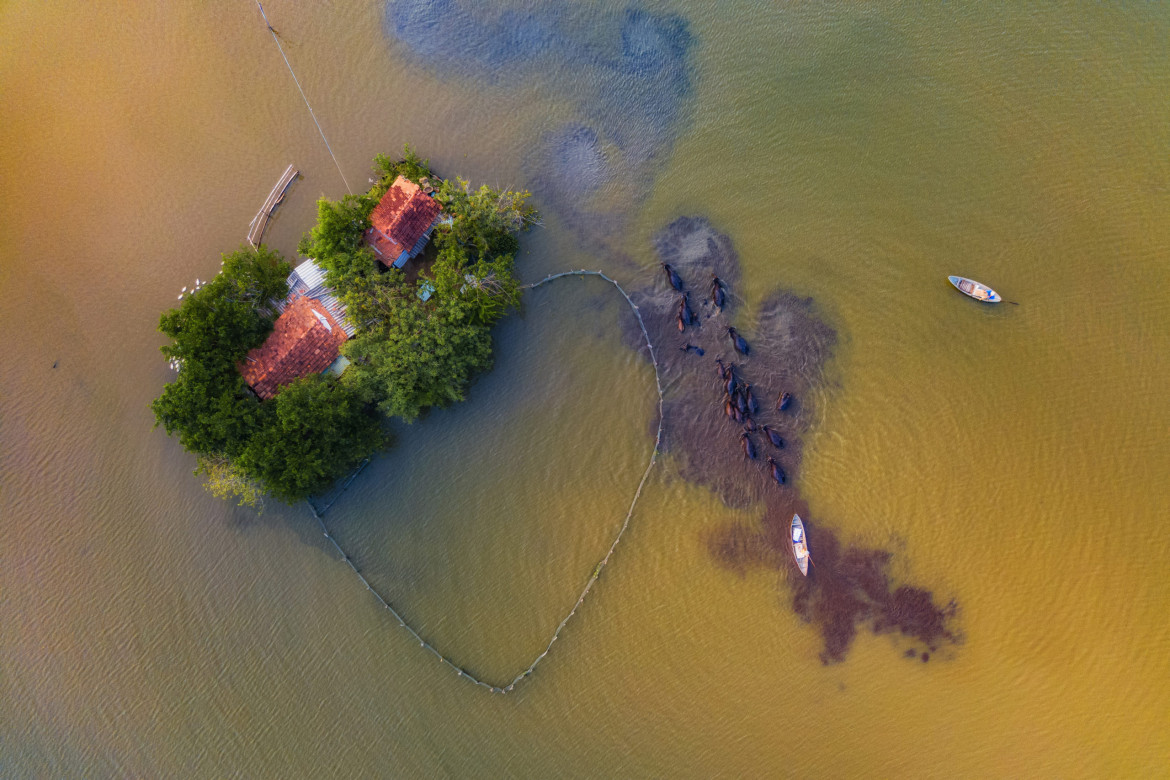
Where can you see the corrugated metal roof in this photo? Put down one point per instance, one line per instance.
(310, 273)
(308, 279)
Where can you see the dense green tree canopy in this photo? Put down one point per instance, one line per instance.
(211, 410)
(418, 356)
(208, 405)
(486, 221)
(228, 316)
(314, 431)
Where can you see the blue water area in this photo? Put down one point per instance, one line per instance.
(628, 72)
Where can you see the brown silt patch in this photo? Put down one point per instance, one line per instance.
(848, 587)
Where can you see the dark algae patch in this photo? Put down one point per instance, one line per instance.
(623, 76)
(849, 587)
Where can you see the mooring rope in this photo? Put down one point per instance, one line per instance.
(297, 81)
(423, 643)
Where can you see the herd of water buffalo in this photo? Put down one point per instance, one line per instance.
(737, 398)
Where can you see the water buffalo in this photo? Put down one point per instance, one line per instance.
(774, 437)
(749, 425)
(689, 347)
(681, 325)
(717, 296)
(737, 341)
(684, 309)
(783, 402)
(752, 406)
(749, 449)
(672, 277)
(730, 409)
(740, 401)
(777, 472)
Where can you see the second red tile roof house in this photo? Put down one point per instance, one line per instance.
(402, 222)
(305, 340)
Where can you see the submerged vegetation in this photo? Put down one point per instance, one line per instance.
(407, 355)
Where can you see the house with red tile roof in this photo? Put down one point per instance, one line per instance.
(308, 279)
(306, 339)
(402, 223)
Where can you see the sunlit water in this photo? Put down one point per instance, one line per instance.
(1013, 458)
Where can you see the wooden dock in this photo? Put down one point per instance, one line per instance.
(260, 221)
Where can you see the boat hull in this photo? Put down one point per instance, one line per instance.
(973, 289)
(799, 545)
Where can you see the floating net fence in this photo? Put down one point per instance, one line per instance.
(508, 687)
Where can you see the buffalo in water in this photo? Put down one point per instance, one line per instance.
(737, 341)
(732, 382)
(672, 277)
(684, 310)
(783, 402)
(722, 368)
(777, 472)
(717, 296)
(688, 347)
(854, 591)
(774, 437)
(740, 401)
(749, 449)
(750, 399)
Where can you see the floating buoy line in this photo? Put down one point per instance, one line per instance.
(460, 671)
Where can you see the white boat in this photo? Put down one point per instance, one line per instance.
(974, 289)
(799, 545)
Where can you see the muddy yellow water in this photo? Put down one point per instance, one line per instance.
(1014, 458)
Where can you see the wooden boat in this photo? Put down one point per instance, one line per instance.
(974, 289)
(799, 545)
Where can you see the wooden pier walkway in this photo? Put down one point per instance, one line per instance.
(260, 221)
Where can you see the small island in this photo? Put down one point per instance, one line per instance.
(288, 377)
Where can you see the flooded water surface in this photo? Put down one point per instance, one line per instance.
(984, 486)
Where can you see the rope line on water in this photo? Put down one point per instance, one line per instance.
(423, 643)
(297, 81)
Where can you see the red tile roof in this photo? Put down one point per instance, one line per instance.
(305, 340)
(400, 219)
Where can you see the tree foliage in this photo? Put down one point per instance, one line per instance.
(484, 221)
(227, 481)
(316, 430)
(419, 355)
(335, 242)
(228, 316)
(410, 166)
(211, 410)
(209, 406)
